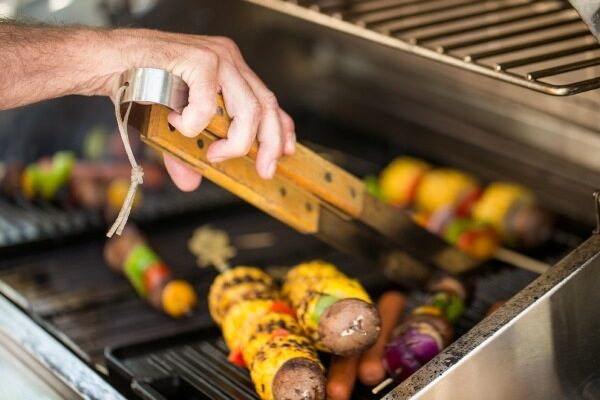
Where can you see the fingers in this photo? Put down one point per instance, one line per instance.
(289, 130)
(185, 178)
(275, 138)
(253, 107)
(200, 74)
(271, 134)
(242, 105)
(270, 137)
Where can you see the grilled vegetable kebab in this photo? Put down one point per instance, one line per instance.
(334, 310)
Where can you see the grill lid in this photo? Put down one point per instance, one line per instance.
(541, 45)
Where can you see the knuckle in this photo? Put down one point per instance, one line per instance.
(209, 57)
(269, 101)
(255, 109)
(227, 42)
(205, 110)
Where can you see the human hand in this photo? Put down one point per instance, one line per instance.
(212, 65)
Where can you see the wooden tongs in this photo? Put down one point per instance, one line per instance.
(308, 193)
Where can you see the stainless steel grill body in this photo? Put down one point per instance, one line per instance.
(445, 114)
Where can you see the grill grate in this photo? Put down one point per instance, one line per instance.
(70, 291)
(23, 223)
(190, 364)
(538, 44)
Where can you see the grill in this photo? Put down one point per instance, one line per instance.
(351, 105)
(71, 293)
(540, 45)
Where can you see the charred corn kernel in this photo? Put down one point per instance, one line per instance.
(236, 285)
(264, 329)
(311, 287)
(178, 298)
(496, 203)
(399, 180)
(239, 317)
(272, 355)
(443, 187)
(260, 333)
(304, 276)
(137, 262)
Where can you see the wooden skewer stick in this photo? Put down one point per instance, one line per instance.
(382, 385)
(520, 260)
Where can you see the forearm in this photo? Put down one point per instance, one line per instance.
(43, 62)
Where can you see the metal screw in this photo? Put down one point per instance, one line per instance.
(220, 111)
(200, 143)
(308, 207)
(328, 176)
(282, 191)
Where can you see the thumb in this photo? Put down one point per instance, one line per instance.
(185, 178)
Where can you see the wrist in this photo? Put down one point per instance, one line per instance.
(105, 59)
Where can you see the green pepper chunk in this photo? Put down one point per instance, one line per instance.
(456, 228)
(372, 186)
(58, 175)
(324, 301)
(139, 259)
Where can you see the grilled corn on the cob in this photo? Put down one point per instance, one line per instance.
(334, 310)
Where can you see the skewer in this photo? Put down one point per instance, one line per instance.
(382, 385)
(520, 260)
(212, 248)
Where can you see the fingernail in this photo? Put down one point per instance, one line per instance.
(271, 169)
(290, 147)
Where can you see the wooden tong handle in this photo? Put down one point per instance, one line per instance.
(303, 183)
(308, 170)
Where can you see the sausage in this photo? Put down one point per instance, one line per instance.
(391, 306)
(334, 310)
(129, 255)
(341, 377)
(10, 178)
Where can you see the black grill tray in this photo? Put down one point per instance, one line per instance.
(191, 365)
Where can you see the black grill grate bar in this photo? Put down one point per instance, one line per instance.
(498, 10)
(222, 367)
(528, 45)
(512, 28)
(380, 5)
(407, 11)
(200, 376)
(546, 57)
(561, 69)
